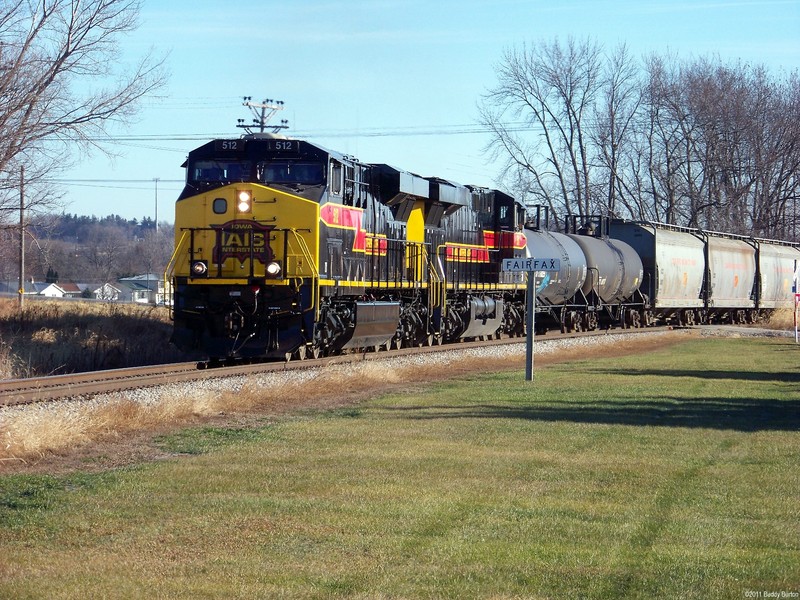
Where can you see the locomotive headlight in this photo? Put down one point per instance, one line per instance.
(274, 269)
(199, 268)
(244, 201)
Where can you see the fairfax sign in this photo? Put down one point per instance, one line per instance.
(531, 264)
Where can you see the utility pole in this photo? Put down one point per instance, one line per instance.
(262, 116)
(155, 179)
(22, 238)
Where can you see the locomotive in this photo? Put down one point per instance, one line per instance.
(284, 249)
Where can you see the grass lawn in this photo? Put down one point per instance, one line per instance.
(663, 475)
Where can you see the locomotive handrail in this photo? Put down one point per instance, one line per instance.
(464, 275)
(313, 265)
(170, 270)
(436, 285)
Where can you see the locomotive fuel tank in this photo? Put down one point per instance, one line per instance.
(557, 287)
(673, 260)
(776, 271)
(614, 268)
(732, 272)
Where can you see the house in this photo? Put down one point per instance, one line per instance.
(143, 289)
(10, 287)
(147, 288)
(135, 291)
(71, 290)
(110, 292)
(52, 290)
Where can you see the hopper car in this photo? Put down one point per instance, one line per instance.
(285, 249)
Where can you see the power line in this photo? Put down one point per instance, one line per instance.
(59, 180)
(112, 184)
(422, 130)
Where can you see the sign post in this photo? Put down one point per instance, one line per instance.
(530, 266)
(795, 289)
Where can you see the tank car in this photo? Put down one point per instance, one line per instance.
(614, 274)
(598, 281)
(286, 249)
(556, 291)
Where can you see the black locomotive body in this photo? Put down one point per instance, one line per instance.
(284, 248)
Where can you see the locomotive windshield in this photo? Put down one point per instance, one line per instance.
(291, 172)
(218, 170)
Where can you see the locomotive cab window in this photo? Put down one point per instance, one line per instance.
(505, 215)
(291, 172)
(218, 170)
(349, 185)
(336, 178)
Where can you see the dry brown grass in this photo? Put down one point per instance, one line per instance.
(783, 318)
(52, 337)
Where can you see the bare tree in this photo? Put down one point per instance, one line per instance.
(58, 90)
(104, 253)
(699, 143)
(614, 132)
(723, 145)
(549, 90)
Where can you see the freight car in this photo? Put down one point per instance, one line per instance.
(597, 285)
(694, 276)
(284, 249)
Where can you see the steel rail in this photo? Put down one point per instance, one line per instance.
(81, 385)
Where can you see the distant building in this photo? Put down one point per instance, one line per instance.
(108, 292)
(10, 287)
(142, 289)
(53, 290)
(147, 288)
(71, 290)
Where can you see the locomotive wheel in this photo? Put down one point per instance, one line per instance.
(572, 322)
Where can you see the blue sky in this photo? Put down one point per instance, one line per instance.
(392, 81)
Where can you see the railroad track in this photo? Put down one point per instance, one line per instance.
(81, 385)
